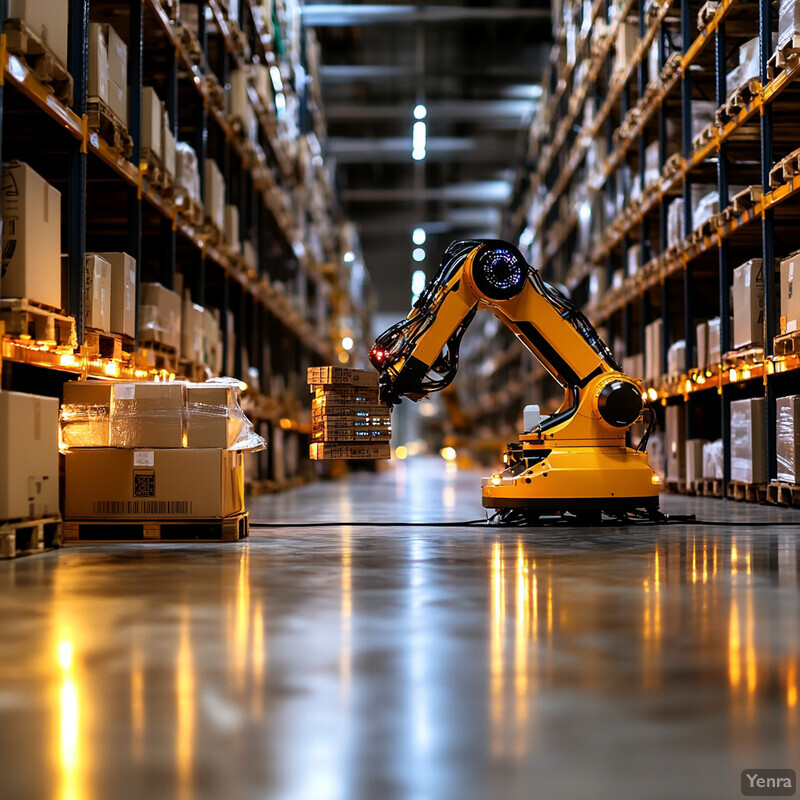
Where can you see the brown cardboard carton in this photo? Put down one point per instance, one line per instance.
(372, 450)
(152, 120)
(208, 419)
(108, 69)
(748, 450)
(212, 340)
(748, 305)
(85, 414)
(654, 350)
(694, 460)
(97, 293)
(323, 376)
(702, 345)
(192, 325)
(714, 348)
(31, 260)
(159, 315)
(214, 191)
(153, 484)
(790, 294)
(98, 63)
(28, 455)
(123, 293)
(675, 438)
(788, 438)
(47, 19)
(147, 415)
(232, 229)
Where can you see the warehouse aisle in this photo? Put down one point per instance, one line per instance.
(363, 662)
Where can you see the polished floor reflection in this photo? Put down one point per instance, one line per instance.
(354, 662)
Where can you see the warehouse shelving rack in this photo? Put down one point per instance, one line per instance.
(690, 282)
(109, 202)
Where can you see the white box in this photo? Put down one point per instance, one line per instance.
(28, 456)
(97, 293)
(714, 348)
(748, 304)
(123, 293)
(192, 332)
(240, 105)
(98, 63)
(702, 345)
(48, 19)
(152, 122)
(214, 191)
(676, 358)
(31, 265)
(108, 69)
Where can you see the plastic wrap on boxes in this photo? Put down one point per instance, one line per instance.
(706, 208)
(748, 460)
(84, 425)
(703, 114)
(733, 81)
(712, 459)
(788, 21)
(187, 171)
(676, 228)
(246, 439)
(147, 415)
(788, 437)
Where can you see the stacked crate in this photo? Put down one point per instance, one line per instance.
(347, 417)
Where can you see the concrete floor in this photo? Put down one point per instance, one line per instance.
(382, 663)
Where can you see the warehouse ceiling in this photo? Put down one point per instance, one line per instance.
(476, 70)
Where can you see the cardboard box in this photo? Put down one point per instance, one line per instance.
(212, 341)
(654, 350)
(633, 366)
(85, 414)
(47, 20)
(153, 484)
(159, 315)
(713, 455)
(249, 255)
(108, 69)
(676, 358)
(338, 392)
(147, 415)
(675, 439)
(28, 455)
(343, 376)
(627, 39)
(123, 293)
(152, 123)
(97, 293)
(208, 419)
(187, 171)
(214, 191)
(788, 438)
(714, 348)
(354, 429)
(328, 450)
(790, 293)
(702, 345)
(192, 326)
(240, 107)
(748, 305)
(694, 460)
(31, 260)
(232, 229)
(168, 147)
(748, 449)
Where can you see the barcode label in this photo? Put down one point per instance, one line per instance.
(143, 507)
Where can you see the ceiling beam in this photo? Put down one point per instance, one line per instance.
(345, 14)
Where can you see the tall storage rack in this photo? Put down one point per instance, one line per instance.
(285, 307)
(579, 217)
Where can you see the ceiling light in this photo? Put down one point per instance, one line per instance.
(419, 137)
(419, 236)
(418, 281)
(420, 112)
(418, 254)
(347, 343)
(277, 81)
(349, 257)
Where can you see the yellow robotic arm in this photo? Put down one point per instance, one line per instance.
(574, 461)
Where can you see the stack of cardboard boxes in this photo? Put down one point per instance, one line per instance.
(161, 451)
(348, 418)
(110, 293)
(108, 70)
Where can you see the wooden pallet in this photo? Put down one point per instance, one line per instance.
(672, 167)
(747, 492)
(704, 137)
(154, 173)
(703, 230)
(229, 529)
(114, 346)
(785, 169)
(22, 41)
(191, 44)
(706, 14)
(709, 487)
(189, 207)
(156, 356)
(212, 234)
(108, 126)
(786, 55)
(677, 487)
(783, 494)
(216, 93)
(746, 199)
(27, 319)
(25, 536)
(747, 356)
(787, 344)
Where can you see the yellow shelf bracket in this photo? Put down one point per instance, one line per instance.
(85, 134)
(3, 58)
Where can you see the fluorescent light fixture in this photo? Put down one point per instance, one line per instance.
(275, 75)
(418, 281)
(420, 112)
(419, 236)
(418, 254)
(280, 102)
(349, 257)
(419, 136)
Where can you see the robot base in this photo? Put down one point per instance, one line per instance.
(615, 504)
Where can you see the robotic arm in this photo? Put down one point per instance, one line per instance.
(419, 355)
